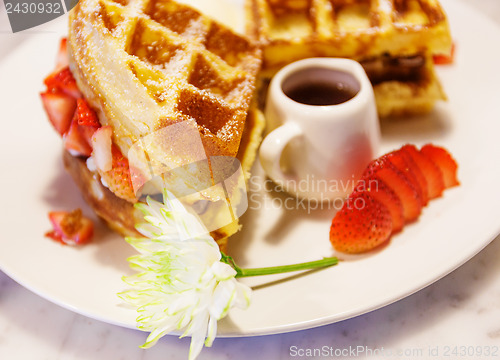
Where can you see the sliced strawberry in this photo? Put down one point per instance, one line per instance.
(420, 177)
(85, 115)
(62, 59)
(118, 178)
(404, 163)
(87, 120)
(71, 228)
(55, 236)
(444, 162)
(139, 178)
(378, 190)
(382, 169)
(445, 59)
(432, 174)
(75, 141)
(62, 80)
(361, 225)
(101, 145)
(388, 192)
(60, 108)
(87, 133)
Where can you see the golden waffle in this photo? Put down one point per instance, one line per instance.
(401, 98)
(147, 64)
(373, 32)
(290, 30)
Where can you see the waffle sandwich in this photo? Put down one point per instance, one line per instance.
(145, 68)
(120, 214)
(393, 39)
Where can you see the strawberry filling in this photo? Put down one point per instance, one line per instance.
(78, 124)
(445, 59)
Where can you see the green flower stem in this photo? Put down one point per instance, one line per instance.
(325, 262)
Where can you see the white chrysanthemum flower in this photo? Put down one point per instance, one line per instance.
(181, 282)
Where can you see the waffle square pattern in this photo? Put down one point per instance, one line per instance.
(148, 64)
(358, 29)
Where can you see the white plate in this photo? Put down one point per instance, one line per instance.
(450, 230)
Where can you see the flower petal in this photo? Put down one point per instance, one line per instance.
(180, 283)
(223, 297)
(199, 332)
(223, 271)
(243, 296)
(156, 334)
(212, 331)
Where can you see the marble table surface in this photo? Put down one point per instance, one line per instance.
(458, 317)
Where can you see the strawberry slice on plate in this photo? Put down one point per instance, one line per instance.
(404, 163)
(432, 174)
(383, 170)
(361, 225)
(444, 161)
(392, 190)
(379, 191)
(70, 228)
(60, 108)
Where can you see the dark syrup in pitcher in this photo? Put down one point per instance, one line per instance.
(320, 86)
(321, 93)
